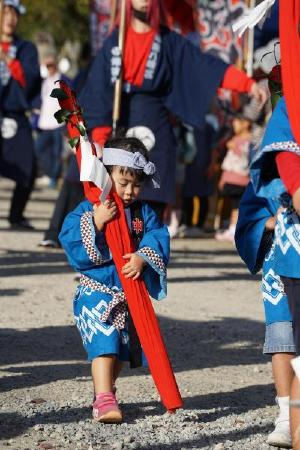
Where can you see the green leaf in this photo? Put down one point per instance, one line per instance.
(74, 141)
(62, 115)
(59, 94)
(81, 129)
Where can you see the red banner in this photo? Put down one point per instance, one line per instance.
(215, 18)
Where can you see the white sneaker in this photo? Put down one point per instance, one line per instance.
(226, 235)
(48, 243)
(43, 181)
(281, 436)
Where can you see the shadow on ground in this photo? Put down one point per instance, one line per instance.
(222, 404)
(227, 341)
(14, 263)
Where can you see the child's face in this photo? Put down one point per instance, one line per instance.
(10, 20)
(126, 186)
(240, 125)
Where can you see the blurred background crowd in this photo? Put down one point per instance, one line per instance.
(212, 168)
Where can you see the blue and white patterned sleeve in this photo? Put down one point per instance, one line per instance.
(84, 247)
(155, 249)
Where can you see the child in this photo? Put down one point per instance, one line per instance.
(100, 309)
(275, 174)
(235, 174)
(254, 241)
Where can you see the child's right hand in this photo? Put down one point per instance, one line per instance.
(271, 222)
(104, 213)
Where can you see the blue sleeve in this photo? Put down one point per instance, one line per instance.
(96, 97)
(251, 236)
(84, 247)
(155, 249)
(278, 137)
(194, 81)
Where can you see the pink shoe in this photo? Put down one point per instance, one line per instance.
(226, 235)
(106, 408)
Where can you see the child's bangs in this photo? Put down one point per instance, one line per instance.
(135, 173)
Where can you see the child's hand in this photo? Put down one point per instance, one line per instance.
(104, 213)
(296, 201)
(133, 268)
(259, 93)
(271, 222)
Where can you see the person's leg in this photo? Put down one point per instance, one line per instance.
(57, 149)
(188, 207)
(279, 342)
(70, 195)
(105, 406)
(282, 373)
(102, 373)
(19, 200)
(43, 145)
(204, 205)
(117, 370)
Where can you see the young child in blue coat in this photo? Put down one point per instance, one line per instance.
(255, 243)
(100, 310)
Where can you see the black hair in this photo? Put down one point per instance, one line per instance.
(132, 145)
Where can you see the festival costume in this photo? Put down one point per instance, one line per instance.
(175, 77)
(97, 184)
(19, 85)
(99, 303)
(267, 183)
(256, 247)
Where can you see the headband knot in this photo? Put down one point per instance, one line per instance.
(120, 157)
(140, 162)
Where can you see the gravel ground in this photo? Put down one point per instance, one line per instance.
(213, 326)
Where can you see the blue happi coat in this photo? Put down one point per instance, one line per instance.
(17, 150)
(100, 289)
(267, 184)
(179, 78)
(255, 246)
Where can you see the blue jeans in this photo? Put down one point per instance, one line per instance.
(279, 338)
(49, 148)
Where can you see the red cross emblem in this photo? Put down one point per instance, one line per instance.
(137, 226)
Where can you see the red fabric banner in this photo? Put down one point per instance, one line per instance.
(289, 23)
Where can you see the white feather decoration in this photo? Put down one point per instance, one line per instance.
(253, 17)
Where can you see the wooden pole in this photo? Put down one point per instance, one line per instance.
(113, 13)
(118, 83)
(250, 44)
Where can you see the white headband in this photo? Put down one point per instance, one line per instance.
(123, 158)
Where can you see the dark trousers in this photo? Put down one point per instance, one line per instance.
(292, 290)
(188, 209)
(49, 148)
(20, 198)
(70, 195)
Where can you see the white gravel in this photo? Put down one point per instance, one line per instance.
(213, 326)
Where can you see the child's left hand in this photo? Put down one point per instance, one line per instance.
(133, 268)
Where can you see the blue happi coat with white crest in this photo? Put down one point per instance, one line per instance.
(179, 78)
(17, 158)
(267, 184)
(100, 289)
(256, 247)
